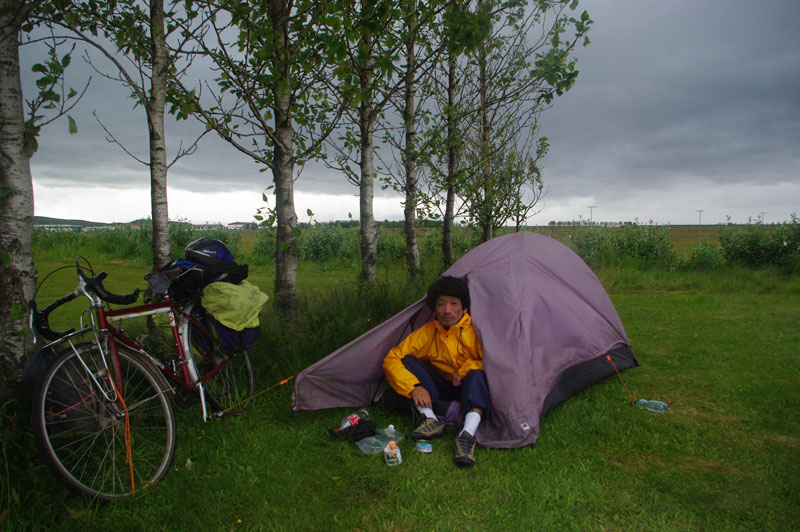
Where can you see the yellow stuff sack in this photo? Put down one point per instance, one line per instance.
(236, 306)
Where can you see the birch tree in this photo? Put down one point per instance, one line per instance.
(462, 33)
(386, 51)
(139, 31)
(488, 172)
(18, 132)
(419, 54)
(269, 101)
(364, 64)
(518, 72)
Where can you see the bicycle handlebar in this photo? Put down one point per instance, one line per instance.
(95, 284)
(41, 320)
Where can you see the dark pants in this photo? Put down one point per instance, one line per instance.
(473, 392)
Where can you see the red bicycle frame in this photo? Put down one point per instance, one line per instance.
(190, 378)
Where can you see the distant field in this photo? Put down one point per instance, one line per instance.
(684, 237)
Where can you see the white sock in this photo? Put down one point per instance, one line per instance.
(471, 422)
(427, 412)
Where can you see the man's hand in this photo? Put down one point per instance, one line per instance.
(421, 397)
(456, 379)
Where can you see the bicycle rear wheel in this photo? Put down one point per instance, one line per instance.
(80, 428)
(233, 384)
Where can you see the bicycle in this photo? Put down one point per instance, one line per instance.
(102, 413)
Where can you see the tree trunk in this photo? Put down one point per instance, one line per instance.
(285, 239)
(410, 163)
(448, 255)
(486, 218)
(369, 230)
(158, 149)
(17, 273)
(283, 168)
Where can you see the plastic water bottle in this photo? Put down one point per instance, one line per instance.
(391, 453)
(651, 405)
(375, 444)
(351, 420)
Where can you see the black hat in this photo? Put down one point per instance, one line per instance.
(448, 285)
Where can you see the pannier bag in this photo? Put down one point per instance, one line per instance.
(233, 311)
(231, 341)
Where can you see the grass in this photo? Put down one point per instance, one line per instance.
(719, 348)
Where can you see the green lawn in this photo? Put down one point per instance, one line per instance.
(721, 349)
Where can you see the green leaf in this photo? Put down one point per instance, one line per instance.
(33, 145)
(5, 258)
(73, 127)
(309, 213)
(50, 96)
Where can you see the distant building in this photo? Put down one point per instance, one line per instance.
(242, 225)
(206, 226)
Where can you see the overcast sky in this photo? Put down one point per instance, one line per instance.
(684, 111)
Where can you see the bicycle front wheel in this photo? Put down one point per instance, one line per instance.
(79, 421)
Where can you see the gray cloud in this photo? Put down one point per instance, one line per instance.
(691, 99)
(679, 92)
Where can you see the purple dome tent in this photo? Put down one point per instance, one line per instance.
(545, 324)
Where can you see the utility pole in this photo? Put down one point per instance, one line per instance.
(700, 217)
(761, 214)
(590, 207)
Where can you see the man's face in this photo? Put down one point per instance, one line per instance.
(448, 310)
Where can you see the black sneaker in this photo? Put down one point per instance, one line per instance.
(427, 429)
(464, 448)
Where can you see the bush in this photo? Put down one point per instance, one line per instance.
(593, 245)
(705, 257)
(182, 233)
(127, 241)
(336, 315)
(391, 245)
(120, 241)
(431, 243)
(264, 246)
(649, 243)
(322, 243)
(757, 246)
(645, 245)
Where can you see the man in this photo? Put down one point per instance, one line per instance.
(442, 361)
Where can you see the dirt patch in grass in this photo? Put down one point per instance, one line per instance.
(702, 465)
(782, 440)
(638, 462)
(703, 414)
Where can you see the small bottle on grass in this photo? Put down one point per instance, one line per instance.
(651, 405)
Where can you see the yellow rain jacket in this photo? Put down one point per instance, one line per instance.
(456, 349)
